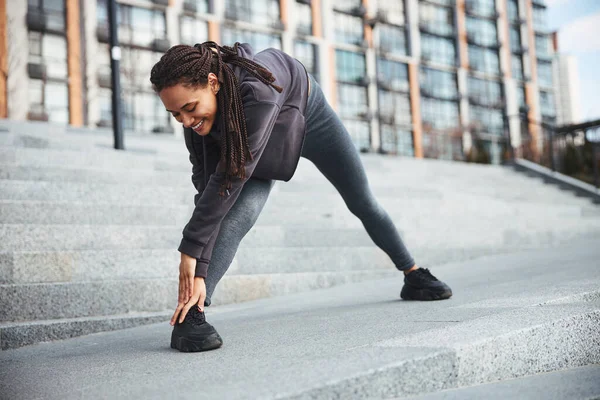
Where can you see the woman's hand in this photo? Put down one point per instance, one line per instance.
(187, 270)
(198, 297)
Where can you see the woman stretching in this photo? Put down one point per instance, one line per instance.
(248, 118)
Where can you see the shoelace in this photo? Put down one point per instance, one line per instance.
(424, 273)
(195, 317)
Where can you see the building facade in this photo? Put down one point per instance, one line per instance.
(418, 78)
(567, 87)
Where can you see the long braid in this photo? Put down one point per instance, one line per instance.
(190, 66)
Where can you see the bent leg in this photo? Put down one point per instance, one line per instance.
(236, 224)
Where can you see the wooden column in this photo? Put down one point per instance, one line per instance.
(74, 63)
(332, 78)
(506, 50)
(461, 26)
(317, 27)
(415, 106)
(283, 11)
(3, 60)
(214, 33)
(531, 87)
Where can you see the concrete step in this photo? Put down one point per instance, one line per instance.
(99, 265)
(74, 213)
(340, 218)
(96, 193)
(427, 234)
(573, 383)
(18, 334)
(33, 237)
(91, 140)
(309, 201)
(98, 158)
(96, 174)
(43, 301)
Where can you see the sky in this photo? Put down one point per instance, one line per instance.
(578, 26)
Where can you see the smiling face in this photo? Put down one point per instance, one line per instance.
(194, 107)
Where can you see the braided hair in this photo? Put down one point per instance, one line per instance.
(190, 66)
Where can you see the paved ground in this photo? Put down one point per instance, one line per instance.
(511, 315)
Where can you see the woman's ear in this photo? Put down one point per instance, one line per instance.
(213, 83)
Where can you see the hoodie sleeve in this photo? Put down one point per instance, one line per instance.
(198, 180)
(211, 208)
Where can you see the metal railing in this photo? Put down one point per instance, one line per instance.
(572, 150)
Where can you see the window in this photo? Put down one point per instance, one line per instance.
(56, 98)
(265, 13)
(539, 18)
(350, 66)
(348, 29)
(393, 11)
(517, 67)
(360, 133)
(515, 38)
(484, 60)
(394, 108)
(489, 120)
(259, 41)
(439, 114)
(306, 53)
(437, 49)
(513, 10)
(521, 96)
(142, 109)
(396, 140)
(53, 10)
(482, 31)
(49, 50)
(542, 46)
(484, 8)
(193, 30)
(348, 6)
(392, 39)
(352, 101)
(485, 92)
(198, 6)
(544, 70)
(435, 19)
(304, 19)
(48, 99)
(392, 75)
(547, 107)
(137, 26)
(440, 84)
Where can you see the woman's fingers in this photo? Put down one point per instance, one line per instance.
(191, 286)
(180, 306)
(182, 290)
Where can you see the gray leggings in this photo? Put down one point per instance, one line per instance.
(329, 146)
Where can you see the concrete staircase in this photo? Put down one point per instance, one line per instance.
(88, 235)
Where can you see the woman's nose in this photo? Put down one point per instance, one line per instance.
(187, 121)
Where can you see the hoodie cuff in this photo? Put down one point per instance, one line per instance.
(201, 268)
(191, 249)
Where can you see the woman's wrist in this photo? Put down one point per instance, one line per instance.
(186, 257)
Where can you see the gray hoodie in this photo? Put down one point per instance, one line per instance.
(276, 131)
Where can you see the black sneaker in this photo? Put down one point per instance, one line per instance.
(194, 333)
(421, 285)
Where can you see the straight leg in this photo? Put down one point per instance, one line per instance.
(329, 146)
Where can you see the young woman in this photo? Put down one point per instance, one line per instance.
(248, 118)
